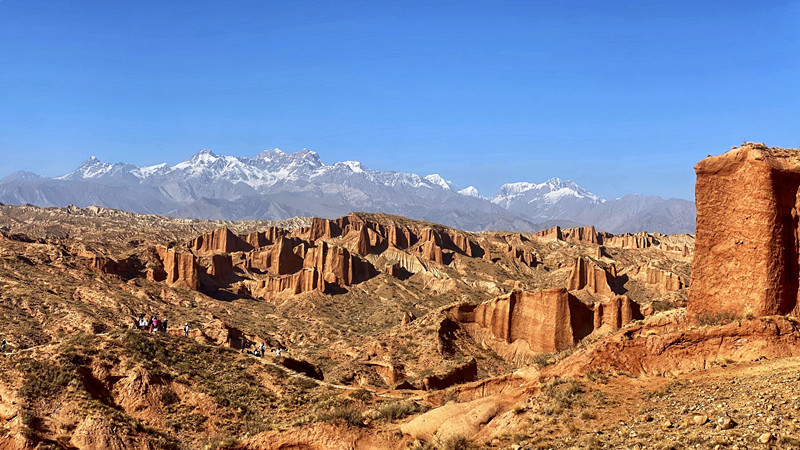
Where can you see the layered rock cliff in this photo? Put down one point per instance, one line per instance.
(748, 234)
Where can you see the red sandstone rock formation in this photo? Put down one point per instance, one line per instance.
(663, 280)
(337, 265)
(526, 257)
(283, 259)
(105, 265)
(221, 266)
(581, 235)
(260, 239)
(586, 274)
(746, 252)
(547, 321)
(390, 373)
(462, 243)
(432, 252)
(181, 268)
(219, 240)
(627, 240)
(362, 245)
(615, 313)
(399, 237)
(551, 234)
(458, 374)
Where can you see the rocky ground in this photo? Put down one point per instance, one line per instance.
(746, 405)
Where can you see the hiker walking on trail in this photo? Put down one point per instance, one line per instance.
(155, 325)
(164, 325)
(3, 345)
(263, 349)
(186, 329)
(244, 341)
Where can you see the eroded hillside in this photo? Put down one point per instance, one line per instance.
(365, 301)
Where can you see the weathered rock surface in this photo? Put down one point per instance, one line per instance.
(663, 280)
(582, 235)
(748, 210)
(219, 240)
(455, 419)
(535, 322)
(651, 347)
(586, 274)
(180, 267)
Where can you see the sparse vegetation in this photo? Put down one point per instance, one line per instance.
(717, 318)
(348, 414)
(399, 409)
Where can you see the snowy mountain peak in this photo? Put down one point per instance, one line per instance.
(354, 166)
(470, 191)
(550, 192)
(204, 156)
(437, 180)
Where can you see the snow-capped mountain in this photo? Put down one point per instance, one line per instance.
(277, 185)
(553, 199)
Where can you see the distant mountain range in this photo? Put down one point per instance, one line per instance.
(275, 185)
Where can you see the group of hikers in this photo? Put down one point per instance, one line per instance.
(260, 350)
(153, 325)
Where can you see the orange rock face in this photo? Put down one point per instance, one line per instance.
(181, 269)
(588, 275)
(551, 234)
(524, 256)
(615, 313)
(548, 321)
(220, 240)
(583, 235)
(221, 266)
(663, 280)
(627, 240)
(746, 252)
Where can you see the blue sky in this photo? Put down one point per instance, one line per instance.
(621, 97)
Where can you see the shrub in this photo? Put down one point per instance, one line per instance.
(399, 409)
(717, 318)
(362, 395)
(563, 393)
(543, 360)
(348, 414)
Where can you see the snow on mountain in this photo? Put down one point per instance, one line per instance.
(470, 191)
(274, 184)
(437, 180)
(550, 192)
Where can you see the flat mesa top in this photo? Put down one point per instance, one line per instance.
(783, 159)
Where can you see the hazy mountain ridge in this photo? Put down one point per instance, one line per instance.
(275, 185)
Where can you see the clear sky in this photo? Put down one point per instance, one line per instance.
(621, 97)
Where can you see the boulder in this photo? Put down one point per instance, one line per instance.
(455, 420)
